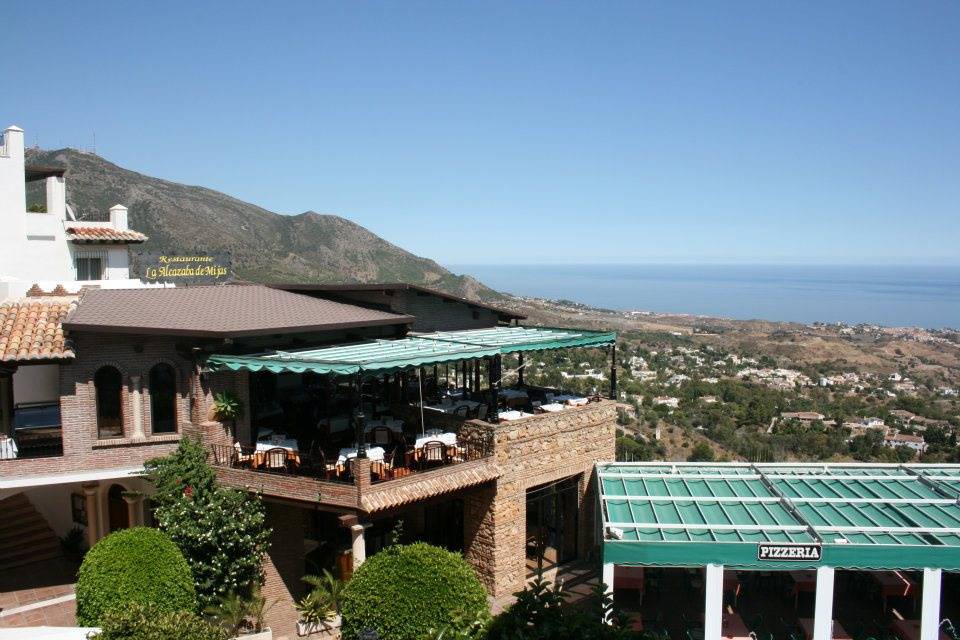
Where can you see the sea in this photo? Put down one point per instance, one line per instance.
(921, 296)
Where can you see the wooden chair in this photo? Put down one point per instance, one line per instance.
(434, 454)
(240, 458)
(276, 459)
(482, 412)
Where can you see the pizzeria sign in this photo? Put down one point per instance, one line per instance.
(789, 552)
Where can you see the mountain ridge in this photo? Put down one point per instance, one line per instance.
(265, 246)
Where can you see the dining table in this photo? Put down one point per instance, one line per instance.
(435, 435)
(836, 633)
(513, 414)
(449, 406)
(375, 454)
(566, 398)
(263, 446)
(552, 407)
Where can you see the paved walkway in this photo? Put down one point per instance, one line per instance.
(39, 594)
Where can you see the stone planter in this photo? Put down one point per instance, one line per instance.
(266, 634)
(327, 627)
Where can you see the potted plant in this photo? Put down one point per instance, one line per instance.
(320, 609)
(227, 408)
(74, 544)
(242, 617)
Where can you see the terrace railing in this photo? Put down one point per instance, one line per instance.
(40, 443)
(433, 455)
(278, 461)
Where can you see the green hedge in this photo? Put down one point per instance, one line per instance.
(139, 565)
(404, 591)
(145, 622)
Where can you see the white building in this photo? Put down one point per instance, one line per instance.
(52, 248)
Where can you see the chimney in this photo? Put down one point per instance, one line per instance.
(118, 217)
(12, 143)
(56, 197)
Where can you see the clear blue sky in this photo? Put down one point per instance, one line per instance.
(528, 131)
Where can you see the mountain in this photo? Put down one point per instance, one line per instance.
(265, 246)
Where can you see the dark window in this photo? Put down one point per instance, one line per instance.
(89, 268)
(163, 398)
(109, 385)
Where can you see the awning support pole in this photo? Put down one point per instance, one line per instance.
(823, 607)
(520, 369)
(713, 602)
(930, 609)
(613, 371)
(608, 582)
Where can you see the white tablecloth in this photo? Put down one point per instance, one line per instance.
(374, 453)
(8, 449)
(449, 439)
(514, 415)
(449, 408)
(573, 401)
(289, 444)
(394, 424)
(553, 407)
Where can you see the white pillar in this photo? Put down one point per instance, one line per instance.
(359, 545)
(118, 217)
(823, 609)
(137, 403)
(56, 197)
(713, 602)
(607, 578)
(930, 611)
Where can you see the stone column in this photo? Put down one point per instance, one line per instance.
(713, 602)
(823, 607)
(134, 508)
(92, 506)
(136, 391)
(359, 545)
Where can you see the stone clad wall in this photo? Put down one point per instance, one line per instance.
(531, 452)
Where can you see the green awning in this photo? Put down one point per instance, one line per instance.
(386, 356)
(855, 516)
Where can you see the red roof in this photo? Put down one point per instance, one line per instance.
(32, 329)
(103, 234)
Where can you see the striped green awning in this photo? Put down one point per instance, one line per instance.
(385, 356)
(859, 516)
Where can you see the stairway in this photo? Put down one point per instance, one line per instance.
(25, 536)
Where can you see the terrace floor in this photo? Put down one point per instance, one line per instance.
(39, 594)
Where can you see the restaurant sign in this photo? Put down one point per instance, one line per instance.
(211, 268)
(788, 552)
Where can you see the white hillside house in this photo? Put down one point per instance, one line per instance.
(52, 248)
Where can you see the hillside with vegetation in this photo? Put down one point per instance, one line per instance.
(264, 246)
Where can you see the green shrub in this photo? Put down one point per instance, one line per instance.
(403, 592)
(223, 533)
(146, 622)
(139, 565)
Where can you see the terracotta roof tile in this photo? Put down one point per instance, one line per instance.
(32, 329)
(217, 311)
(103, 234)
(429, 484)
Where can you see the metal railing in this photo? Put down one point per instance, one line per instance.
(45, 443)
(407, 461)
(278, 460)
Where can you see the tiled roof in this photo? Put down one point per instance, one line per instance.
(218, 311)
(85, 235)
(429, 484)
(32, 330)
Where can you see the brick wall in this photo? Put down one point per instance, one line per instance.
(83, 449)
(283, 567)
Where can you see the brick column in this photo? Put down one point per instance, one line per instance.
(92, 506)
(134, 508)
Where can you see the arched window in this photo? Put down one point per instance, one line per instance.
(109, 386)
(163, 398)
